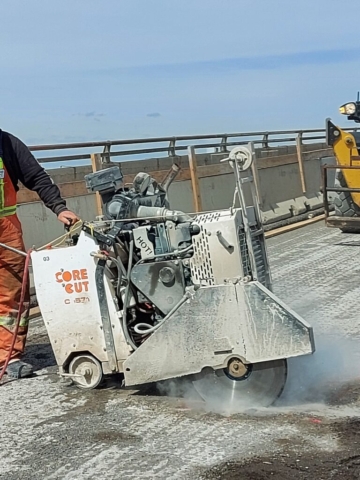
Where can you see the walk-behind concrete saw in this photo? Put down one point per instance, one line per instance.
(157, 294)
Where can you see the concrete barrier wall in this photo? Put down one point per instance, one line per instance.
(280, 188)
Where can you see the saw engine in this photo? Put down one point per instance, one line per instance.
(156, 294)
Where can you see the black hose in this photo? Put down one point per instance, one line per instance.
(126, 298)
(120, 269)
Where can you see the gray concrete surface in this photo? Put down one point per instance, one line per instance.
(52, 431)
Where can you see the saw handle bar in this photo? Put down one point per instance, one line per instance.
(12, 249)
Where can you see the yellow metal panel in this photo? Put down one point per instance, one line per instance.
(344, 149)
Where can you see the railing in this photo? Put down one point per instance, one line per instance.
(172, 146)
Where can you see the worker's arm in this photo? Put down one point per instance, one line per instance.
(32, 175)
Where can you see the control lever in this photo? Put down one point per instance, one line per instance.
(68, 227)
(69, 239)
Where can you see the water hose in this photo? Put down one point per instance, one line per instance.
(21, 304)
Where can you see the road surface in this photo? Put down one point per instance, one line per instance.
(50, 430)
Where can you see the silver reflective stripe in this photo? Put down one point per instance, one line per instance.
(10, 209)
(10, 321)
(7, 211)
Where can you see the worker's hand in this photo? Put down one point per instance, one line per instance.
(68, 218)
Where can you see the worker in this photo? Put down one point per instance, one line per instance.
(17, 164)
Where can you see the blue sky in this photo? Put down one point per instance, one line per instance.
(85, 70)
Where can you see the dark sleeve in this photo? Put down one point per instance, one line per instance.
(34, 177)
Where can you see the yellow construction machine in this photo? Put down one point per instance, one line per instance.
(346, 147)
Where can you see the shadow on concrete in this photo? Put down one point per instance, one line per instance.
(348, 244)
(40, 356)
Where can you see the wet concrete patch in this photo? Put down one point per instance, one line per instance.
(293, 463)
(344, 394)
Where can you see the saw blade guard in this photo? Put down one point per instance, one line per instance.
(216, 325)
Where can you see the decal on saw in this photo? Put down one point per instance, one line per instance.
(74, 281)
(67, 301)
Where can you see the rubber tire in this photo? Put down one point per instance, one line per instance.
(91, 359)
(345, 206)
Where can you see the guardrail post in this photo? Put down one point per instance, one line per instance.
(106, 153)
(96, 165)
(172, 152)
(265, 141)
(223, 143)
(194, 179)
(300, 161)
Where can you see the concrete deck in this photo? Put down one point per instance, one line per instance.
(52, 431)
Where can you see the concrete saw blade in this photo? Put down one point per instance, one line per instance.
(260, 388)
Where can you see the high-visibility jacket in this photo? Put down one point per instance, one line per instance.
(7, 189)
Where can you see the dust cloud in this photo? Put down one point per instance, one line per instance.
(313, 380)
(316, 378)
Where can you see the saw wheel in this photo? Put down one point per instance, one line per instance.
(86, 370)
(240, 386)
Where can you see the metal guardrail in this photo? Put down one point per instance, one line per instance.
(220, 142)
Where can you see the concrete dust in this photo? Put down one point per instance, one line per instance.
(219, 403)
(329, 377)
(318, 283)
(313, 379)
(181, 388)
